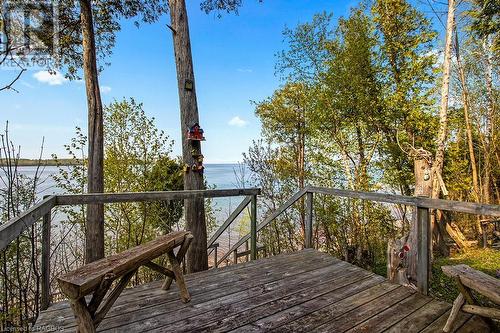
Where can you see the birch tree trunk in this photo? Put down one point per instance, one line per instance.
(489, 122)
(197, 258)
(438, 229)
(94, 229)
(443, 112)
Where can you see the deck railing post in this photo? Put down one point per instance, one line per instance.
(253, 229)
(235, 256)
(308, 237)
(215, 256)
(424, 249)
(45, 301)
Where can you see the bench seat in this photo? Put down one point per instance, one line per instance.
(96, 278)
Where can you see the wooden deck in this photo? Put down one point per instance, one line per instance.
(306, 291)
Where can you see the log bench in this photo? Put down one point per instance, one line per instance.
(97, 277)
(469, 279)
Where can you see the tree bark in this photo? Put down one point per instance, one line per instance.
(436, 219)
(94, 229)
(468, 129)
(489, 123)
(404, 274)
(197, 258)
(443, 113)
(468, 126)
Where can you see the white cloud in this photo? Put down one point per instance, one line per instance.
(105, 89)
(245, 70)
(237, 121)
(55, 79)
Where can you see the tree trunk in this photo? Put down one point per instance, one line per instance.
(403, 270)
(94, 229)
(468, 126)
(468, 129)
(443, 113)
(301, 180)
(438, 230)
(197, 258)
(489, 123)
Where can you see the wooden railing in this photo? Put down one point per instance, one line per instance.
(422, 205)
(13, 228)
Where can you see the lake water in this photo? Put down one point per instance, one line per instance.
(222, 176)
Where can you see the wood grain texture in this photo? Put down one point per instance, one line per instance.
(456, 206)
(264, 223)
(94, 228)
(146, 301)
(481, 282)
(83, 199)
(86, 279)
(303, 291)
(194, 209)
(11, 229)
(421, 318)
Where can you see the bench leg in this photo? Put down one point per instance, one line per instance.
(469, 298)
(179, 277)
(84, 321)
(167, 283)
(180, 256)
(457, 305)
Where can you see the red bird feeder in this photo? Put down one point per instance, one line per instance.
(195, 133)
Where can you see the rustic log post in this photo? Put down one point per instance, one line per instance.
(197, 257)
(403, 270)
(484, 232)
(94, 231)
(423, 188)
(424, 249)
(253, 229)
(46, 260)
(308, 236)
(216, 245)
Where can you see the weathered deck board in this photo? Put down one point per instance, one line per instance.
(299, 292)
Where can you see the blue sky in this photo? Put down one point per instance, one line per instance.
(234, 61)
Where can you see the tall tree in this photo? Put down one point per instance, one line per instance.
(443, 110)
(94, 235)
(406, 42)
(108, 15)
(197, 258)
(468, 122)
(285, 121)
(490, 116)
(352, 96)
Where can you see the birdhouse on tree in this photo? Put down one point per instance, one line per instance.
(195, 133)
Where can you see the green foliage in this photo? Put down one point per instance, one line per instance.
(305, 56)
(136, 160)
(107, 22)
(485, 21)
(323, 128)
(445, 288)
(407, 75)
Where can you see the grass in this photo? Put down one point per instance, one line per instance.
(444, 288)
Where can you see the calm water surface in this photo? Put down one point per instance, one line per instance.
(222, 176)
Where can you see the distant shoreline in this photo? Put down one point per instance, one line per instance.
(22, 162)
